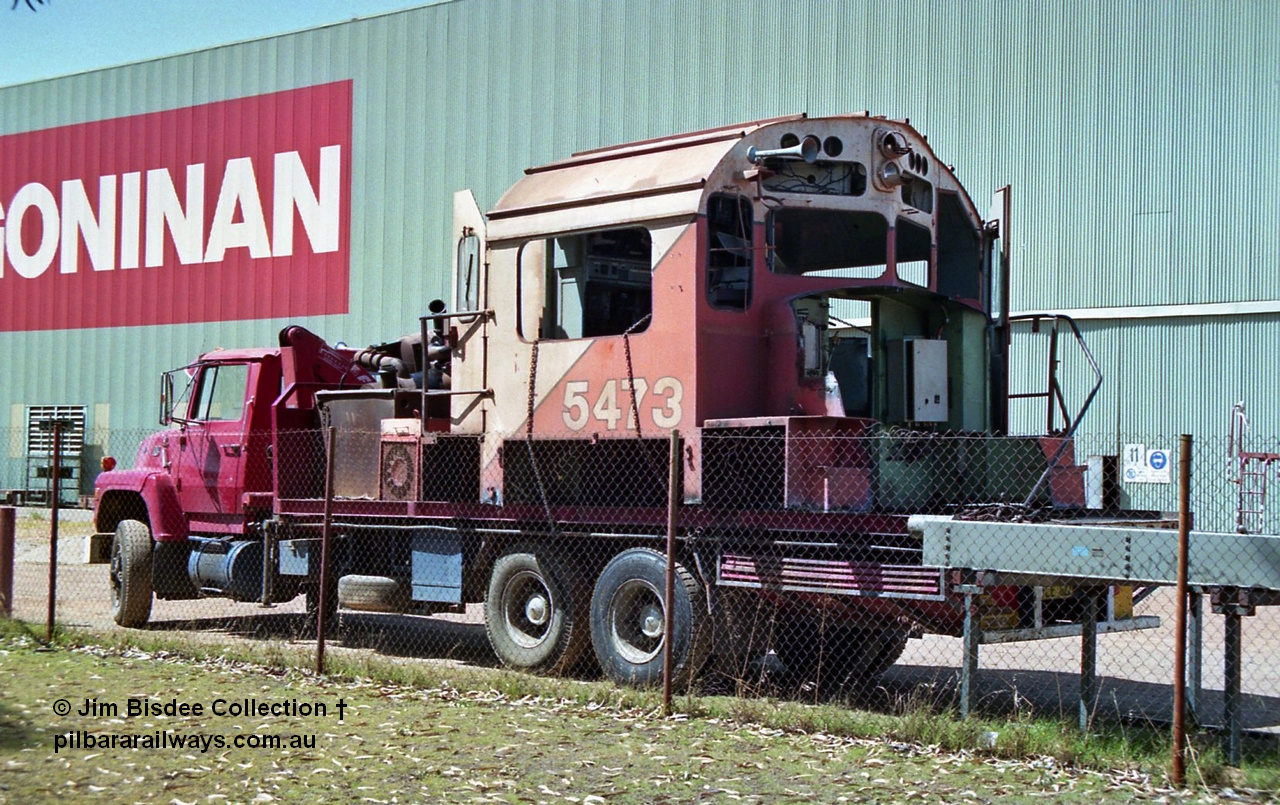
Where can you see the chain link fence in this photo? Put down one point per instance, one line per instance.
(814, 558)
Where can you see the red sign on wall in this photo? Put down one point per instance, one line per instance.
(224, 211)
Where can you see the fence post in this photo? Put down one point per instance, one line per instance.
(1180, 620)
(323, 597)
(55, 471)
(8, 534)
(971, 642)
(1195, 657)
(674, 494)
(1088, 657)
(1232, 717)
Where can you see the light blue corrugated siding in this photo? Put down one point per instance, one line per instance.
(1165, 377)
(1137, 136)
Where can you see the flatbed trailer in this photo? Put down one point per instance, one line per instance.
(1237, 571)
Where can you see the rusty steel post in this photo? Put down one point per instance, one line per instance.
(326, 528)
(1180, 623)
(674, 493)
(8, 534)
(55, 471)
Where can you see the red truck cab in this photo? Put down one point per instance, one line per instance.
(210, 477)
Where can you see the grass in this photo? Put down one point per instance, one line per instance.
(424, 731)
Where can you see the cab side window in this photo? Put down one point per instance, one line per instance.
(959, 250)
(729, 234)
(221, 392)
(597, 284)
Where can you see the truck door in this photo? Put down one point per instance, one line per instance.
(211, 446)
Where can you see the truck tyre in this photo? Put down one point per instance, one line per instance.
(131, 574)
(533, 614)
(839, 658)
(627, 620)
(892, 643)
(372, 594)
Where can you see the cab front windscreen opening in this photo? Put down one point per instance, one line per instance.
(828, 243)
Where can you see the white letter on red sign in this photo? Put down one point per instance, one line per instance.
(239, 191)
(28, 196)
(319, 211)
(163, 207)
(99, 230)
(130, 217)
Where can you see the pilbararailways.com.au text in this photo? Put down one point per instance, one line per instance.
(172, 739)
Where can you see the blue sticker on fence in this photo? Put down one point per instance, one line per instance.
(1158, 459)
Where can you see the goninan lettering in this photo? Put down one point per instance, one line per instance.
(125, 220)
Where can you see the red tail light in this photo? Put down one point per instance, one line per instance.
(108, 463)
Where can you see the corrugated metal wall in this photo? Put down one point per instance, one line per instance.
(1136, 136)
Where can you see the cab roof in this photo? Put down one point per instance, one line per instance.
(634, 182)
(643, 180)
(237, 355)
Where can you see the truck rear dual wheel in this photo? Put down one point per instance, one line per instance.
(533, 613)
(628, 612)
(839, 658)
(130, 573)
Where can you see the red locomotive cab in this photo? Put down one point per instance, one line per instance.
(793, 268)
(866, 289)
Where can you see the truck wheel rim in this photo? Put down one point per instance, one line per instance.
(636, 621)
(527, 608)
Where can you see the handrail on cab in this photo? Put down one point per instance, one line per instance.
(1053, 393)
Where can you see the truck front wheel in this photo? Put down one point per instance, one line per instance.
(531, 613)
(131, 574)
(627, 620)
